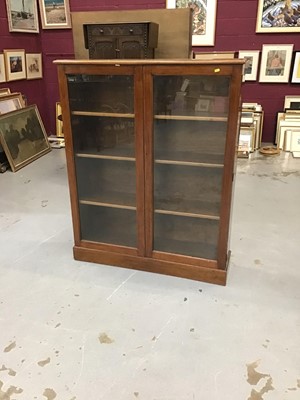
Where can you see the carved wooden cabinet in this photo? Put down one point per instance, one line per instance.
(151, 148)
(121, 40)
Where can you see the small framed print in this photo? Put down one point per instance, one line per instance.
(2, 69)
(55, 14)
(296, 68)
(203, 19)
(251, 58)
(220, 55)
(11, 102)
(15, 64)
(276, 63)
(22, 16)
(292, 102)
(34, 68)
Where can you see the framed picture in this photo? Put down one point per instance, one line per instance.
(59, 122)
(11, 102)
(203, 19)
(292, 102)
(2, 69)
(55, 14)
(34, 68)
(23, 136)
(251, 58)
(280, 117)
(22, 16)
(214, 55)
(278, 16)
(296, 68)
(15, 64)
(275, 63)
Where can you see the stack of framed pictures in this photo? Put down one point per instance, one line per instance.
(22, 134)
(288, 126)
(252, 117)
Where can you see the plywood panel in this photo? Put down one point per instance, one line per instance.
(174, 38)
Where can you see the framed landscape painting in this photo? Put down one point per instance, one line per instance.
(22, 16)
(203, 19)
(55, 14)
(278, 16)
(23, 136)
(276, 63)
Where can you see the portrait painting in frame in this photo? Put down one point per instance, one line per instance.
(203, 19)
(23, 136)
(22, 16)
(15, 64)
(55, 14)
(276, 63)
(278, 16)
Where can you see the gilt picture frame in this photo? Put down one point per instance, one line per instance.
(275, 63)
(203, 19)
(278, 16)
(23, 136)
(22, 16)
(55, 14)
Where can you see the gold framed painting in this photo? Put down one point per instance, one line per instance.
(278, 16)
(22, 16)
(34, 67)
(203, 19)
(23, 136)
(15, 64)
(11, 102)
(59, 122)
(55, 14)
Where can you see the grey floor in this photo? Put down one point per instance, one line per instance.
(73, 330)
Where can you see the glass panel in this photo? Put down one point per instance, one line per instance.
(194, 141)
(107, 93)
(185, 235)
(112, 136)
(106, 181)
(108, 225)
(191, 95)
(102, 118)
(188, 189)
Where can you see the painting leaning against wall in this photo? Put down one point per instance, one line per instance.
(22, 16)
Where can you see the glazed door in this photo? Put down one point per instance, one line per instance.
(187, 139)
(104, 125)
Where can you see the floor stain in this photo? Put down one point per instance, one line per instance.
(10, 391)
(259, 395)
(44, 203)
(42, 363)
(154, 339)
(104, 338)
(294, 388)
(10, 347)
(253, 376)
(257, 262)
(49, 393)
(298, 383)
(136, 394)
(57, 325)
(11, 372)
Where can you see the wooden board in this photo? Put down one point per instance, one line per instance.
(174, 36)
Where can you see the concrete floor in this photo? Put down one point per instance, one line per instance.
(73, 330)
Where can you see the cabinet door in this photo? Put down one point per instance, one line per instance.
(187, 141)
(103, 122)
(106, 48)
(131, 47)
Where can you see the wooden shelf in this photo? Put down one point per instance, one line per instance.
(110, 205)
(185, 214)
(189, 164)
(221, 118)
(102, 114)
(104, 157)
